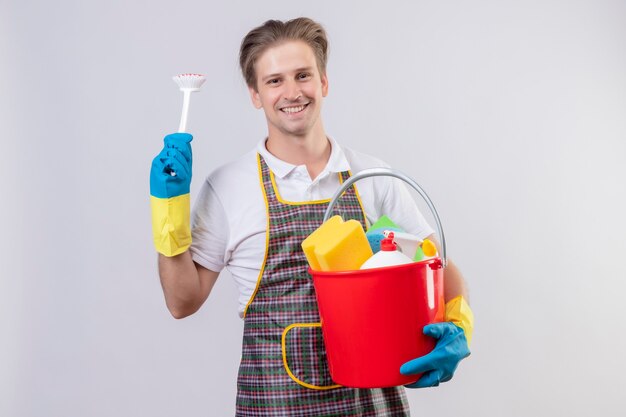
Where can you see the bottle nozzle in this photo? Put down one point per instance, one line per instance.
(388, 244)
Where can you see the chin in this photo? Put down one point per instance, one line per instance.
(295, 130)
(301, 133)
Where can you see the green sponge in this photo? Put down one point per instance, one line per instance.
(384, 223)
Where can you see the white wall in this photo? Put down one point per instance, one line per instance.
(510, 114)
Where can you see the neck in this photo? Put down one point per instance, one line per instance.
(312, 149)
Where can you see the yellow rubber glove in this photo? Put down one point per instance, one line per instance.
(459, 313)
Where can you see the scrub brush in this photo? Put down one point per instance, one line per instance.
(188, 83)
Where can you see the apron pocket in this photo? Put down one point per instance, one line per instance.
(304, 356)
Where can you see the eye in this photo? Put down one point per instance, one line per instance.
(304, 76)
(273, 81)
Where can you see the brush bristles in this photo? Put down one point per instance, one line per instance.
(189, 81)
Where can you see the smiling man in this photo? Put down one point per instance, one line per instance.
(252, 215)
(289, 86)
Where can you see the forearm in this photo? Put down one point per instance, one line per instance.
(454, 283)
(186, 285)
(181, 284)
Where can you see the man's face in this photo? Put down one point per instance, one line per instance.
(290, 88)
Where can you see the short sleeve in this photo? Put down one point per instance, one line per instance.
(209, 230)
(400, 206)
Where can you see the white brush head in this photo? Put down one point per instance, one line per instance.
(189, 82)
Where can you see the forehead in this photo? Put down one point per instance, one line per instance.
(284, 58)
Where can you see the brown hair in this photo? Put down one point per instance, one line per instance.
(273, 32)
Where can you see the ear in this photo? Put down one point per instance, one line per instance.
(324, 85)
(256, 99)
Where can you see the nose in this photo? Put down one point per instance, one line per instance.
(292, 91)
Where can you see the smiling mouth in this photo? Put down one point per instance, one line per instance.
(294, 109)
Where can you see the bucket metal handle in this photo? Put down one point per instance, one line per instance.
(388, 172)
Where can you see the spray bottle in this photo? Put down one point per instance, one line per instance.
(387, 256)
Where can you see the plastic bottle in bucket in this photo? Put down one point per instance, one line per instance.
(387, 256)
(412, 246)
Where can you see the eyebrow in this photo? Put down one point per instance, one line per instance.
(267, 77)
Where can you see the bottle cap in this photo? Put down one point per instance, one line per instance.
(387, 244)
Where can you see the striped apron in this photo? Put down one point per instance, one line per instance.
(283, 369)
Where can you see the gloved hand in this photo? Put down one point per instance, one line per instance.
(170, 180)
(454, 336)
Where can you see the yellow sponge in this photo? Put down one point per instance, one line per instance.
(337, 246)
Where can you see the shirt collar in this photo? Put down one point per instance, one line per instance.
(337, 162)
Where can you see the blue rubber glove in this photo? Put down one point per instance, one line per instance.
(175, 157)
(440, 364)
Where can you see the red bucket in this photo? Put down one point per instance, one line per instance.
(372, 320)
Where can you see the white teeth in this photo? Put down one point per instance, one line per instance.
(293, 109)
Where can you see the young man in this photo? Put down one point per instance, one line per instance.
(253, 213)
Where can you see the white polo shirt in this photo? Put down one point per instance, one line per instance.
(229, 216)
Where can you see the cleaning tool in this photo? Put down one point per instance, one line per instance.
(375, 232)
(169, 195)
(388, 172)
(387, 256)
(412, 246)
(188, 84)
(337, 246)
(170, 180)
(407, 243)
(453, 339)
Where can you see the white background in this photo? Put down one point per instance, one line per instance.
(510, 114)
